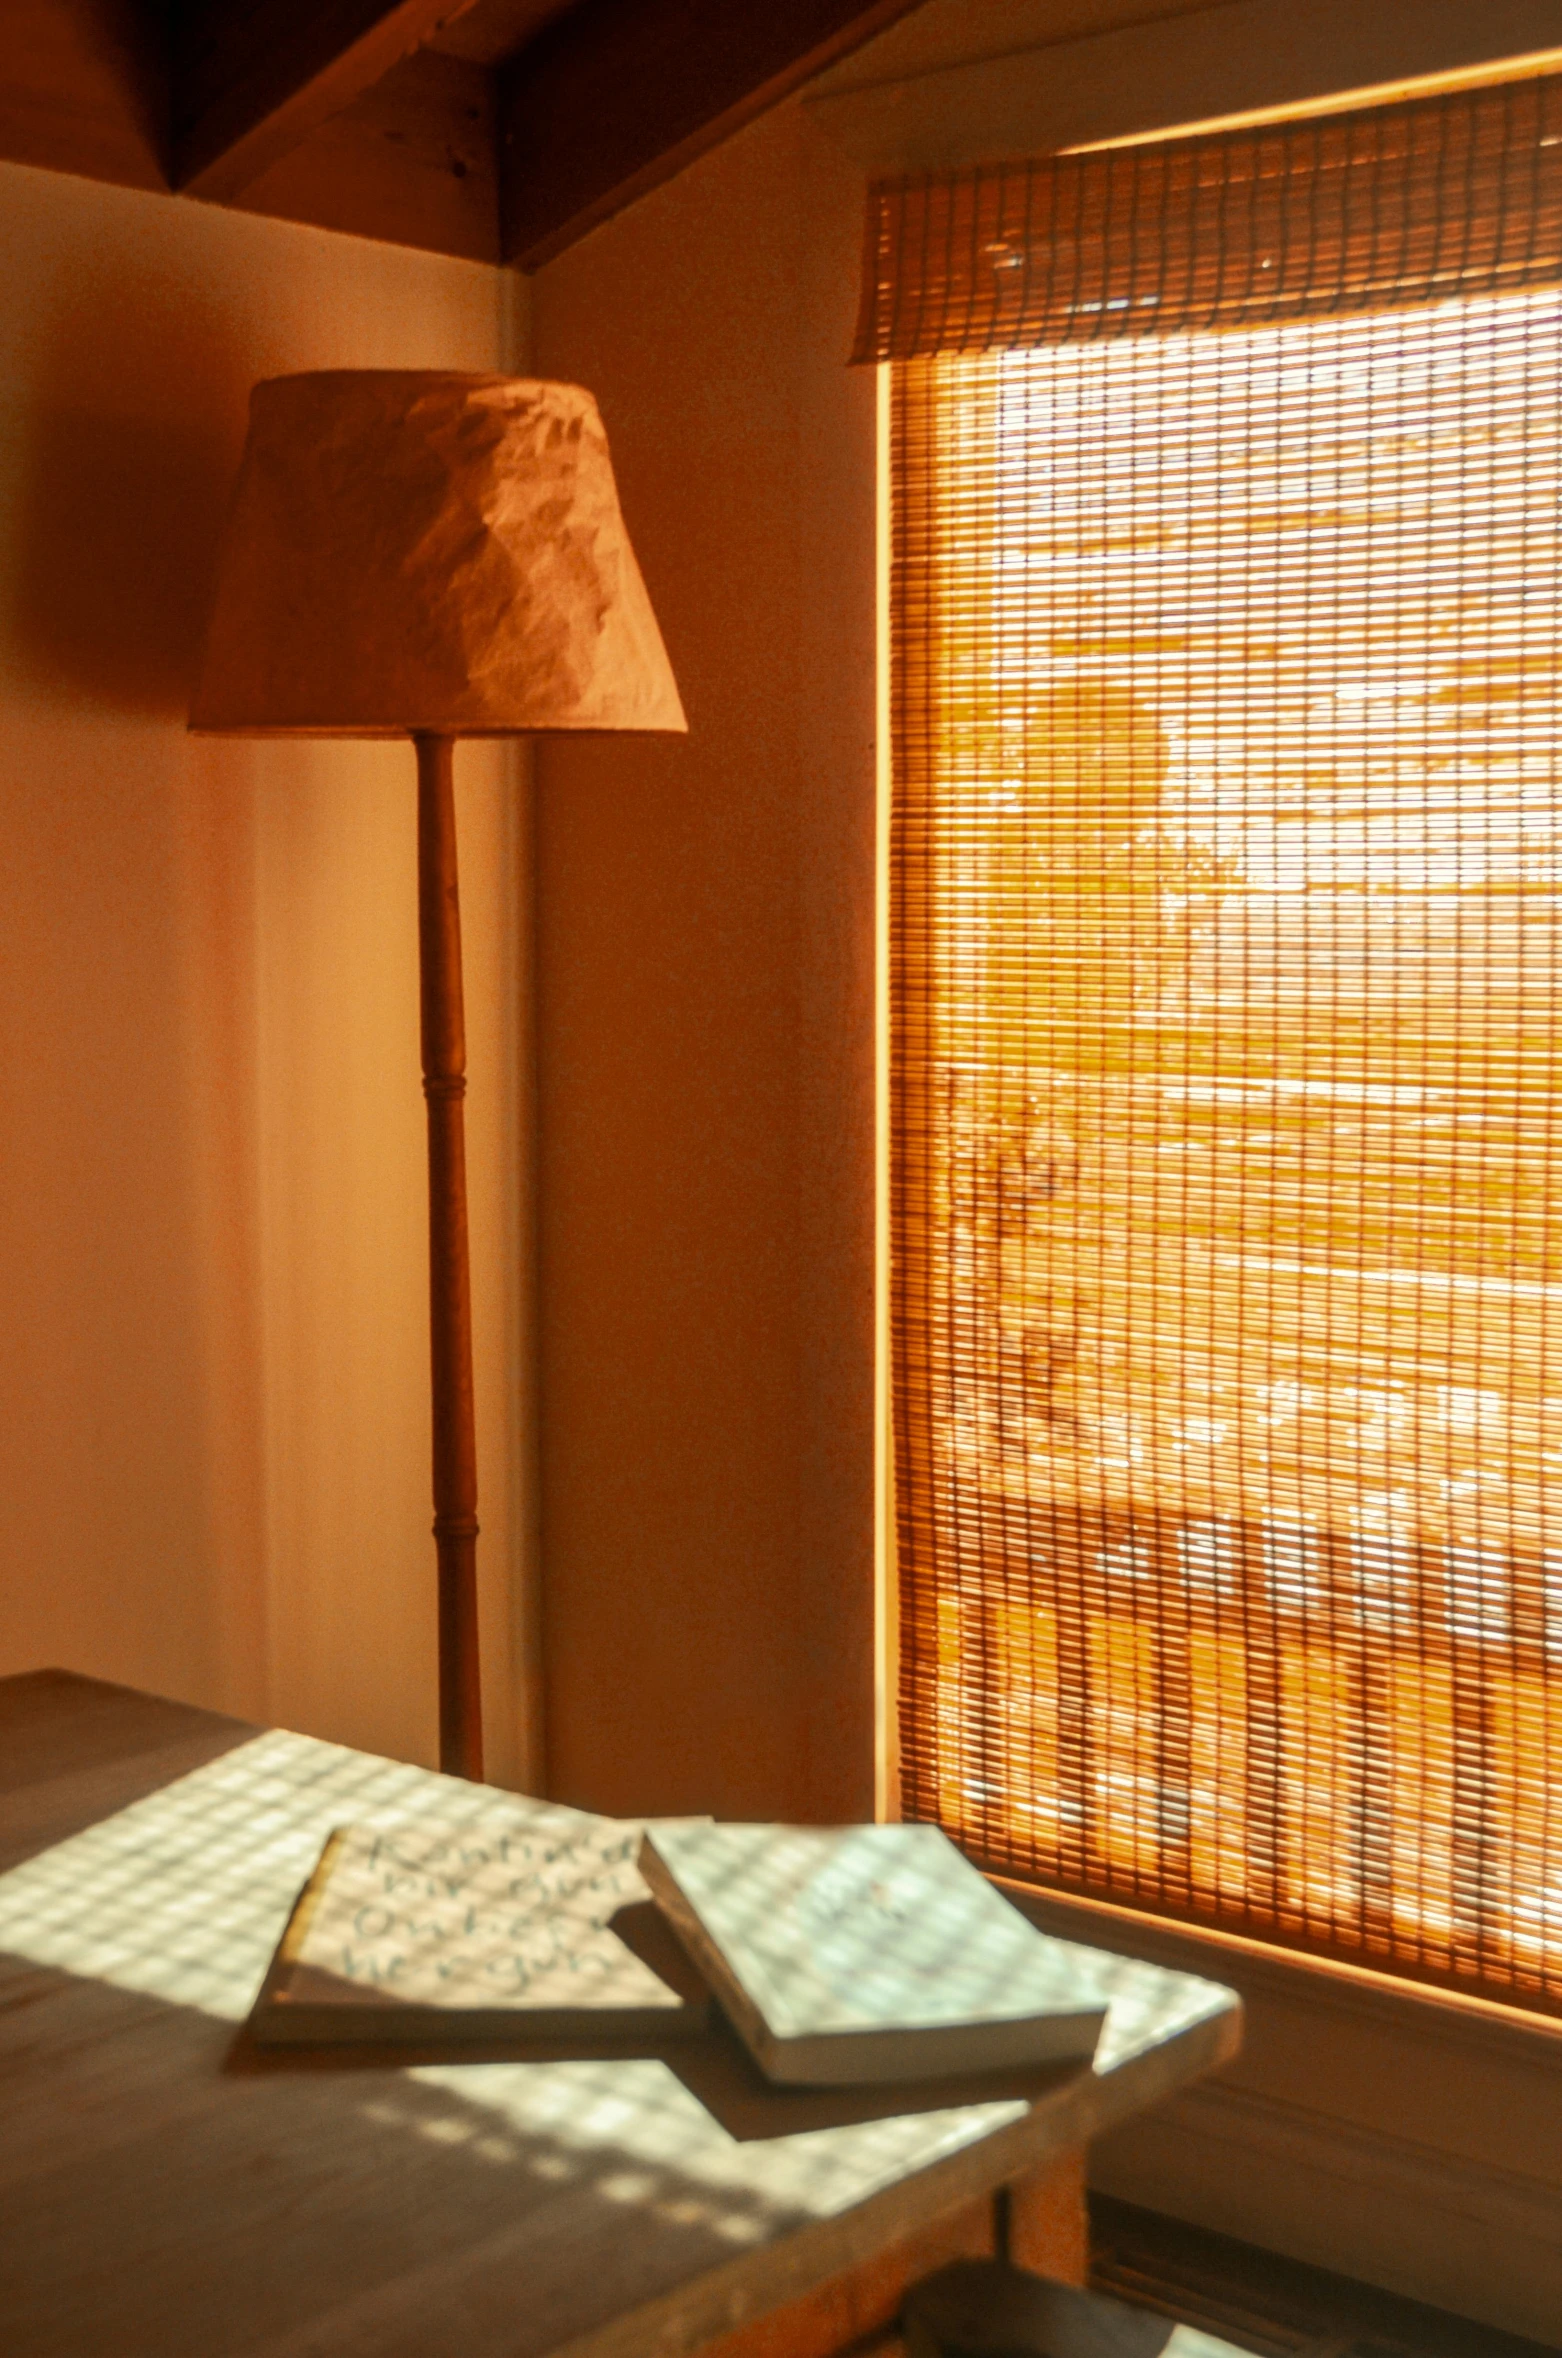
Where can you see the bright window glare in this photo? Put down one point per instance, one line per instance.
(1232, 698)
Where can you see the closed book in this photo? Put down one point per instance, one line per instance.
(541, 1929)
(869, 1953)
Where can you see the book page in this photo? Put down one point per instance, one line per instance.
(507, 1917)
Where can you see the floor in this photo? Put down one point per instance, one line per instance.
(1276, 2308)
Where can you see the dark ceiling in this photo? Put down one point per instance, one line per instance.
(499, 130)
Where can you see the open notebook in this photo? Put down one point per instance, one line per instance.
(484, 1934)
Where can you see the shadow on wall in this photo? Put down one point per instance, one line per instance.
(118, 536)
(126, 472)
(129, 1450)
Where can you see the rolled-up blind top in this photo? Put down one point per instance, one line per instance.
(1384, 207)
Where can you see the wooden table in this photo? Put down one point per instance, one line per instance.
(168, 2192)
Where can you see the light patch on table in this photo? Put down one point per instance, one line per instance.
(641, 2110)
(183, 1895)
(1147, 2005)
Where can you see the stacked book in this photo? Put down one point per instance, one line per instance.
(840, 1956)
(536, 1928)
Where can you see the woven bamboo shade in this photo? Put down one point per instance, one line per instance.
(1227, 991)
(1380, 209)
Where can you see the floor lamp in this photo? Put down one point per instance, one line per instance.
(418, 553)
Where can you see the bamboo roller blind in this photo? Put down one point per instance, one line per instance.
(1227, 1006)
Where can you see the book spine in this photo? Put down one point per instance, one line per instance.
(738, 2006)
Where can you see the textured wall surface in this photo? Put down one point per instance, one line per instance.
(213, 1419)
(705, 1005)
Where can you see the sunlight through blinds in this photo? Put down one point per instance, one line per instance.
(1227, 1006)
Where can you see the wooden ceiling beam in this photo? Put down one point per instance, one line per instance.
(617, 95)
(379, 116)
(84, 89)
(253, 78)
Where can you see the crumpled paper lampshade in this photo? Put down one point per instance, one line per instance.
(417, 550)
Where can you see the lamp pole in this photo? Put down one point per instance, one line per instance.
(449, 1272)
(430, 554)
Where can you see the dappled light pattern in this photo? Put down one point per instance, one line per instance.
(1228, 1291)
(181, 1897)
(177, 1896)
(219, 2195)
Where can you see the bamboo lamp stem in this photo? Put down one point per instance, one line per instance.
(449, 1274)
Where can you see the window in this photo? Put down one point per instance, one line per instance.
(1227, 1007)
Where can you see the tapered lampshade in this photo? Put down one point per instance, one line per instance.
(416, 550)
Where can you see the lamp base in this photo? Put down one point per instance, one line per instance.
(449, 1272)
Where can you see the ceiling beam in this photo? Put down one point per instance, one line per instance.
(84, 88)
(253, 78)
(617, 95)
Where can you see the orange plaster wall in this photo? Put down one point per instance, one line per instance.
(705, 1024)
(704, 1003)
(213, 1383)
